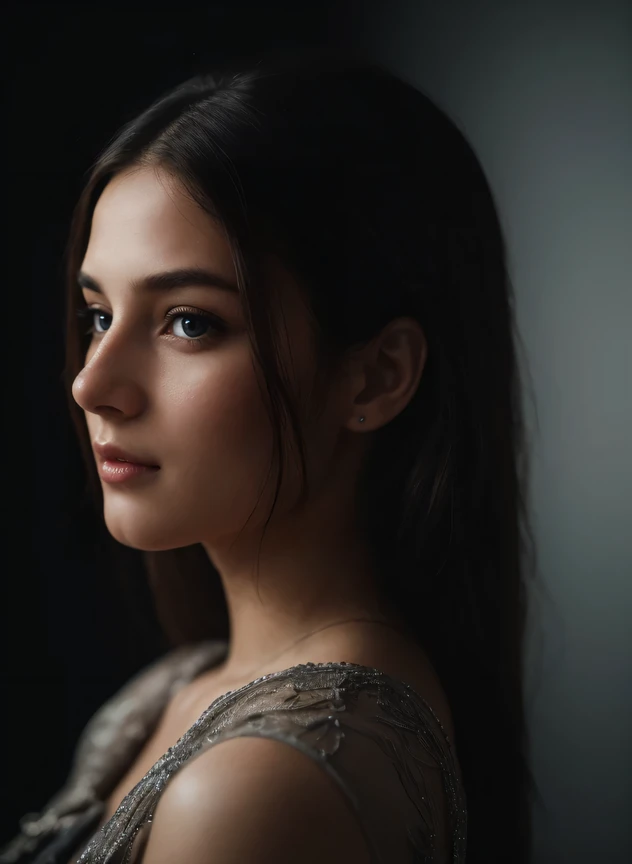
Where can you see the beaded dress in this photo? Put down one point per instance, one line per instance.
(379, 741)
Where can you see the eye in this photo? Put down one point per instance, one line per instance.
(194, 326)
(185, 324)
(190, 326)
(101, 321)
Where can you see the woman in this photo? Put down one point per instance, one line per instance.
(300, 359)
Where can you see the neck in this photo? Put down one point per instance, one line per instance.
(305, 576)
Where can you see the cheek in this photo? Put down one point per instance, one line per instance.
(213, 420)
(218, 447)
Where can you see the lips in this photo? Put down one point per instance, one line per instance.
(112, 453)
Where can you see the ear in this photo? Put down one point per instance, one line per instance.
(383, 376)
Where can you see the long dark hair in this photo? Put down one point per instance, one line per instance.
(374, 200)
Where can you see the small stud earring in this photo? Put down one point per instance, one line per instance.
(361, 419)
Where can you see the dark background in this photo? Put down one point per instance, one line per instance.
(73, 75)
(542, 89)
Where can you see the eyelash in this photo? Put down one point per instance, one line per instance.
(87, 313)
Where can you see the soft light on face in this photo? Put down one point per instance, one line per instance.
(179, 391)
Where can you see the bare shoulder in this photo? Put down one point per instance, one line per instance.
(256, 800)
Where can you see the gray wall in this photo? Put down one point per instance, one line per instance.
(543, 90)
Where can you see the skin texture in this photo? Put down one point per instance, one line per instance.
(223, 807)
(196, 408)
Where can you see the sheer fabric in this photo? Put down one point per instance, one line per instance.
(379, 741)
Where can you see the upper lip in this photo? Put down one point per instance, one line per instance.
(110, 451)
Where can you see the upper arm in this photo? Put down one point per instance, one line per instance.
(257, 800)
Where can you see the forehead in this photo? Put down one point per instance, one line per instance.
(144, 219)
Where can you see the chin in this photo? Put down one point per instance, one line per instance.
(144, 541)
(143, 531)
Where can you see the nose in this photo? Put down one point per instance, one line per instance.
(109, 382)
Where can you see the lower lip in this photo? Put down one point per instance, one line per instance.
(112, 471)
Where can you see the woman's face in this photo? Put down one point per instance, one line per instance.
(182, 394)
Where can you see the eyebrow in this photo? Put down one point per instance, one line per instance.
(168, 279)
